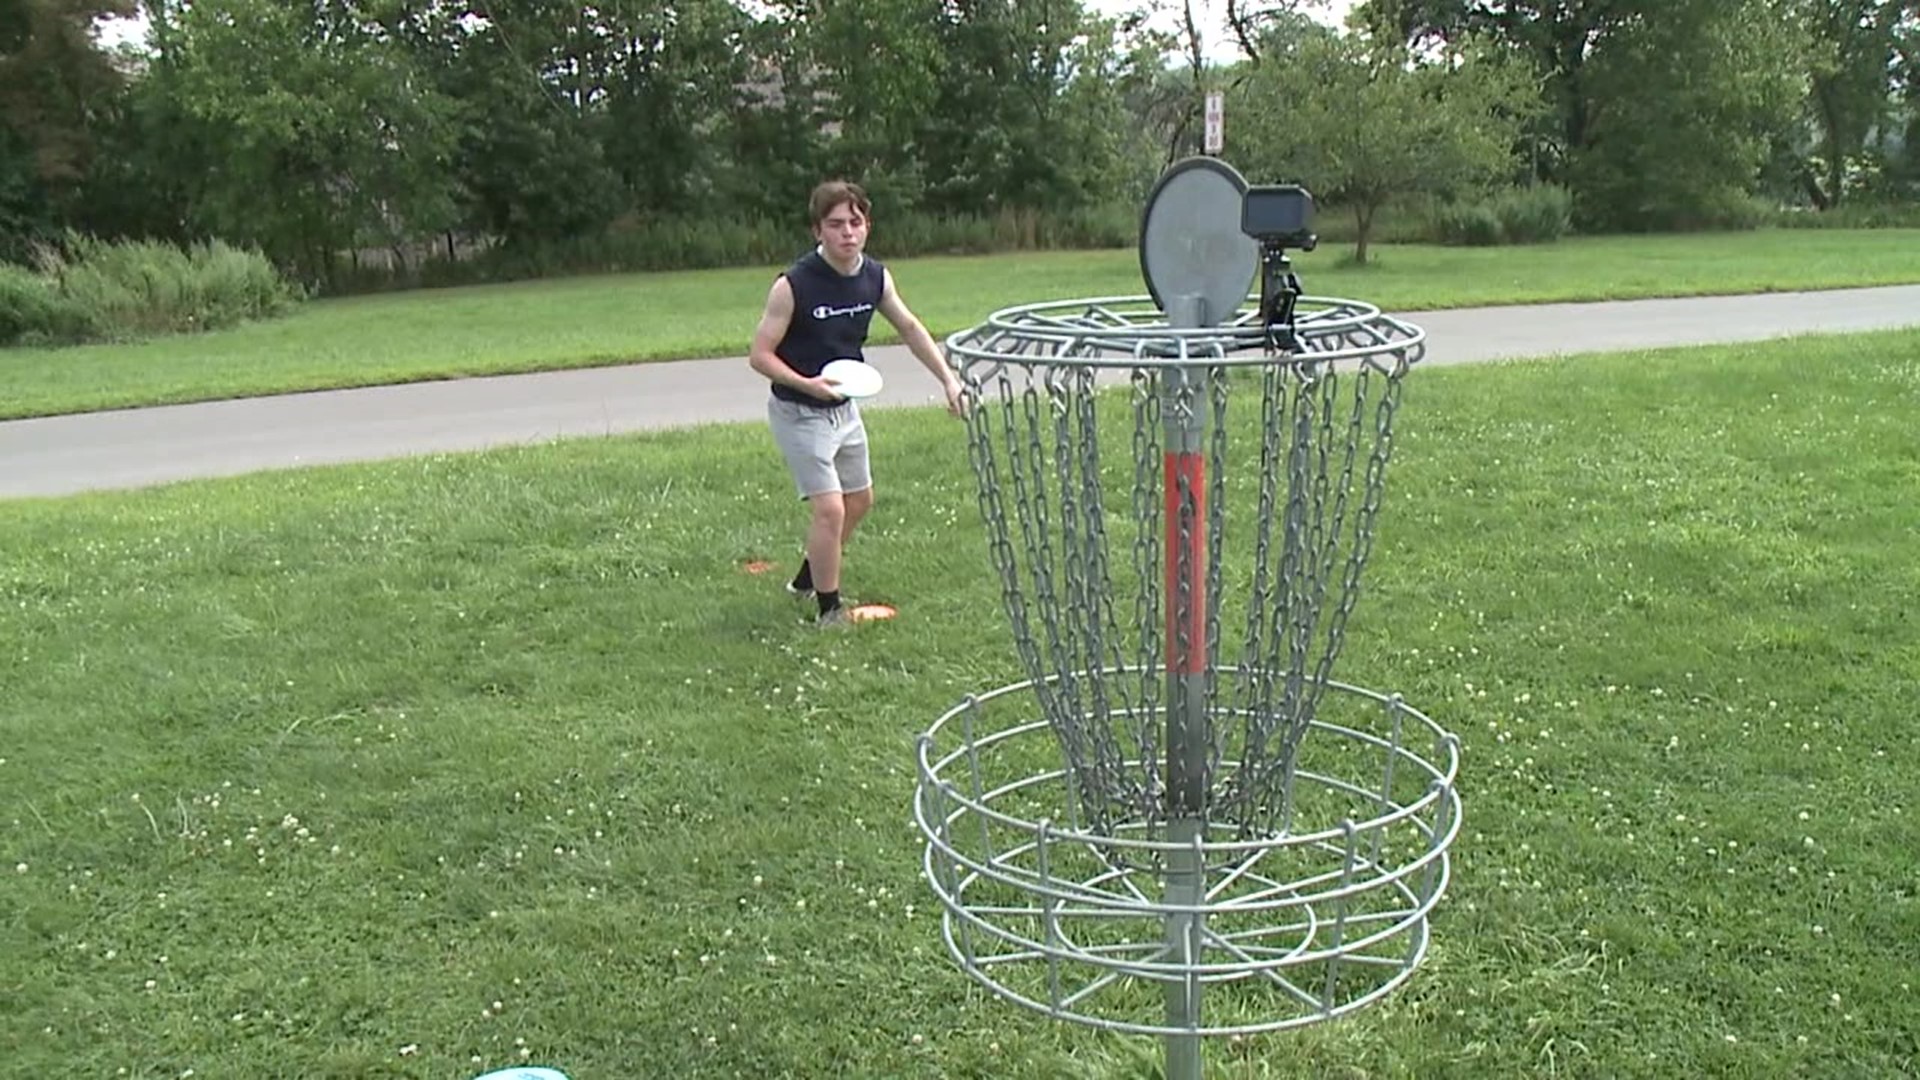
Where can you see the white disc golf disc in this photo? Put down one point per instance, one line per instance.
(852, 378)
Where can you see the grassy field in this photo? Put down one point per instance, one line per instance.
(426, 767)
(582, 322)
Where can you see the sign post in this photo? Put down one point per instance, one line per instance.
(1215, 109)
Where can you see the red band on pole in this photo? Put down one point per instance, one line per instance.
(1186, 516)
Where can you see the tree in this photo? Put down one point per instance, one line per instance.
(1679, 112)
(1361, 126)
(1029, 110)
(674, 78)
(1851, 58)
(1904, 164)
(55, 87)
(869, 108)
(526, 82)
(327, 138)
(1660, 112)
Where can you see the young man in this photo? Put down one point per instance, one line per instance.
(817, 312)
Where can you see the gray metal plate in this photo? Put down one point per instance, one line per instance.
(1190, 238)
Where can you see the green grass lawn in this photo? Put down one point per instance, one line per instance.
(420, 768)
(581, 322)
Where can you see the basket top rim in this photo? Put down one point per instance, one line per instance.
(1131, 330)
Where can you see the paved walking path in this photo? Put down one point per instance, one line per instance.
(137, 447)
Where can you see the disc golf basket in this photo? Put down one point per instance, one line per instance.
(1179, 802)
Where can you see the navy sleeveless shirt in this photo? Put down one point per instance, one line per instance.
(831, 313)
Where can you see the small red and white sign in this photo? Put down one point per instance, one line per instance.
(1215, 110)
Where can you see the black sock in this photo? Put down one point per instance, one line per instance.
(828, 600)
(803, 581)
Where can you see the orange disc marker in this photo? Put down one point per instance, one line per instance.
(871, 612)
(757, 567)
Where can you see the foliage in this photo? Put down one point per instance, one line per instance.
(1903, 122)
(334, 135)
(1030, 114)
(1363, 126)
(1536, 213)
(55, 83)
(86, 289)
(327, 137)
(1473, 224)
(33, 308)
(1851, 46)
(24, 214)
(1680, 145)
(1669, 114)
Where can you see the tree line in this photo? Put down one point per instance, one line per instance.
(312, 129)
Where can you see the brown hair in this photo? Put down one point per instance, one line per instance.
(834, 193)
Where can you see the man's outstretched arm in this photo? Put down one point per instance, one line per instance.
(921, 344)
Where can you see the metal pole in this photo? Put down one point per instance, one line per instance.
(1184, 419)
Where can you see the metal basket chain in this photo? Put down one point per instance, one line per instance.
(1065, 725)
(1147, 513)
(1293, 629)
(1325, 532)
(992, 499)
(1219, 389)
(1098, 657)
(1255, 682)
(1069, 398)
(1265, 781)
(1104, 635)
(1072, 723)
(1362, 550)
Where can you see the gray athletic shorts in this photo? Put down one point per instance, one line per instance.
(826, 449)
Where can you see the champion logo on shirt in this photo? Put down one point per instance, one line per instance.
(822, 311)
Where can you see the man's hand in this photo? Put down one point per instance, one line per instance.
(822, 389)
(956, 397)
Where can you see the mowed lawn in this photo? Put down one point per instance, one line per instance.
(579, 322)
(421, 768)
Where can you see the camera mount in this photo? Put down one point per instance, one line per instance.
(1278, 217)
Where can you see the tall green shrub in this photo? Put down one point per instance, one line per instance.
(1536, 214)
(87, 289)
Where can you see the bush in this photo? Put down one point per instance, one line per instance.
(1535, 214)
(1472, 224)
(91, 290)
(32, 309)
